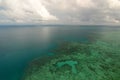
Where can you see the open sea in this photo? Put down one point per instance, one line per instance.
(19, 45)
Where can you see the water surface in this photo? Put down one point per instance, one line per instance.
(21, 44)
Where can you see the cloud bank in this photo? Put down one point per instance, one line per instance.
(60, 11)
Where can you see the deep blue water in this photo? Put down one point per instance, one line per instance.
(21, 44)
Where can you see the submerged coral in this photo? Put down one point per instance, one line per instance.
(70, 63)
(78, 61)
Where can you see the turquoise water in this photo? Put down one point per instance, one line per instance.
(21, 44)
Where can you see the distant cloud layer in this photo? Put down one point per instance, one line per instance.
(60, 11)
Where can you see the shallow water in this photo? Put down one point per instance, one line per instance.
(21, 44)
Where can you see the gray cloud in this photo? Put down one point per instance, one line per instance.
(60, 11)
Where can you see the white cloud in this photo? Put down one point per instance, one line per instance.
(25, 10)
(114, 4)
(85, 3)
(61, 11)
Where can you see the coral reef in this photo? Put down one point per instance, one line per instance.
(78, 61)
(70, 63)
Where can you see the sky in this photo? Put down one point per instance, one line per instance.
(59, 11)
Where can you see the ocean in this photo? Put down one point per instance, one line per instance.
(20, 44)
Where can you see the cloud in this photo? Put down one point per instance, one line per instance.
(115, 4)
(61, 11)
(25, 10)
(87, 11)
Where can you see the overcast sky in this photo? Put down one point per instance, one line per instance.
(60, 11)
